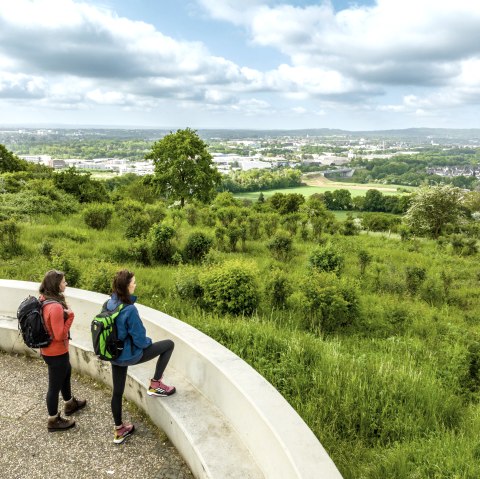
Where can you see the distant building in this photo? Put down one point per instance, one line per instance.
(38, 159)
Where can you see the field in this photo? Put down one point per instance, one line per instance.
(320, 184)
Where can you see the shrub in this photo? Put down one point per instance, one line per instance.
(98, 215)
(414, 277)
(234, 233)
(327, 258)
(156, 212)
(230, 288)
(65, 264)
(198, 245)
(281, 246)
(191, 214)
(160, 241)
(46, 248)
(364, 259)
(463, 245)
(138, 251)
(99, 278)
(128, 208)
(330, 303)
(9, 238)
(137, 226)
(187, 284)
(278, 288)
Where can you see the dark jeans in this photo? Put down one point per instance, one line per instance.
(163, 349)
(59, 373)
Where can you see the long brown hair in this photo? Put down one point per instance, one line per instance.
(50, 286)
(120, 285)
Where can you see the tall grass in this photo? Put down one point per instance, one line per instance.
(393, 395)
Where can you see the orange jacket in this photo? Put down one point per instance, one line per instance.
(58, 328)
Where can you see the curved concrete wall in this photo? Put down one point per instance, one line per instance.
(226, 420)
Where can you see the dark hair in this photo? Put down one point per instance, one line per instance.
(50, 286)
(120, 285)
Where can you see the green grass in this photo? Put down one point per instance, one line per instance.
(393, 395)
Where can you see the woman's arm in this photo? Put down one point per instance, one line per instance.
(136, 329)
(60, 326)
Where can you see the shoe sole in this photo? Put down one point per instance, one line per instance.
(56, 429)
(122, 440)
(150, 393)
(74, 411)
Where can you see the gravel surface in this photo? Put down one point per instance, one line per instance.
(28, 450)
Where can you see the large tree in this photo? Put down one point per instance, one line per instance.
(432, 208)
(183, 167)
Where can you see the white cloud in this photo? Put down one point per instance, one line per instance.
(363, 51)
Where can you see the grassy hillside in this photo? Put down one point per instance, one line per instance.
(380, 357)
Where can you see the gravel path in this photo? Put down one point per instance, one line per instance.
(28, 450)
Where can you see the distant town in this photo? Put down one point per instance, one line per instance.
(333, 152)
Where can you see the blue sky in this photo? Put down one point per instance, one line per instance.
(262, 64)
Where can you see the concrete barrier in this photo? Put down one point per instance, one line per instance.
(226, 420)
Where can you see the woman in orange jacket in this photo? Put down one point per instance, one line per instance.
(58, 318)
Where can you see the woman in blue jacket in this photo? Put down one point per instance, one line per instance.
(137, 348)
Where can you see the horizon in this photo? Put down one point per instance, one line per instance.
(364, 65)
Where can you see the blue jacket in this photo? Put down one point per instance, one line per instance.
(130, 330)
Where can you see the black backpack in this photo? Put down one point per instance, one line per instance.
(106, 344)
(31, 323)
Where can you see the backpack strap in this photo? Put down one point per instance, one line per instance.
(48, 301)
(118, 308)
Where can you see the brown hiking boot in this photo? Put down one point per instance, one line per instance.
(58, 423)
(74, 405)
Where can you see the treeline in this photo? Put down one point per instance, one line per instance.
(84, 148)
(411, 169)
(261, 180)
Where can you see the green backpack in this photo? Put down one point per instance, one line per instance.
(106, 344)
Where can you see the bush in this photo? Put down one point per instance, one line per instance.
(230, 288)
(191, 214)
(160, 241)
(278, 288)
(330, 303)
(138, 251)
(98, 215)
(414, 277)
(198, 245)
(187, 284)
(9, 238)
(156, 212)
(65, 264)
(99, 278)
(137, 226)
(128, 209)
(46, 248)
(281, 246)
(326, 259)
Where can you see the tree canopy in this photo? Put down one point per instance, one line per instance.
(10, 162)
(183, 167)
(432, 208)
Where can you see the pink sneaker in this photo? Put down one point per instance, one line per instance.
(157, 388)
(122, 433)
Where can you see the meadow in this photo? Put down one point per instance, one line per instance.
(378, 352)
(308, 190)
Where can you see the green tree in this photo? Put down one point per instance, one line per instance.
(10, 162)
(183, 167)
(432, 208)
(81, 186)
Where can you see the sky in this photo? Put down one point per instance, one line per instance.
(250, 64)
